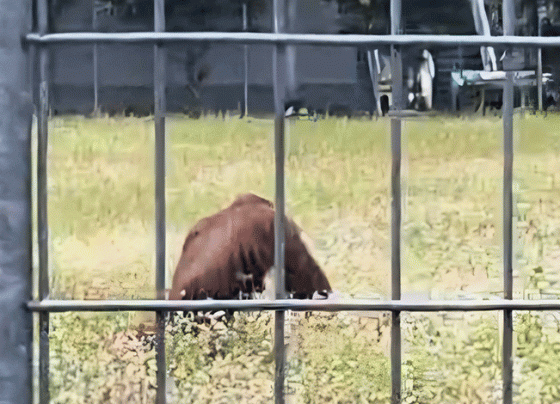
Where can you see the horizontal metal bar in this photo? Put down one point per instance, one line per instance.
(291, 304)
(295, 39)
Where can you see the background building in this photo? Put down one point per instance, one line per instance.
(212, 76)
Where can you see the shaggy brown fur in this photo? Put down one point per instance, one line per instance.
(229, 253)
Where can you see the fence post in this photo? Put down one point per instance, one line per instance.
(160, 56)
(397, 95)
(245, 110)
(15, 206)
(507, 344)
(42, 199)
(95, 27)
(541, 13)
(278, 85)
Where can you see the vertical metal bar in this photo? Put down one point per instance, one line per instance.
(95, 63)
(34, 85)
(278, 56)
(15, 208)
(397, 93)
(539, 79)
(42, 220)
(160, 56)
(396, 259)
(541, 13)
(245, 64)
(508, 16)
(95, 80)
(507, 344)
(279, 320)
(396, 14)
(290, 63)
(507, 365)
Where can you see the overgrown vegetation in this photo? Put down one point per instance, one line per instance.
(101, 203)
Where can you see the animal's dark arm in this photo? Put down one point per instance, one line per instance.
(304, 276)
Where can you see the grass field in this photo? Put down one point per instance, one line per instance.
(101, 220)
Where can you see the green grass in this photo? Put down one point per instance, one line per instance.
(338, 173)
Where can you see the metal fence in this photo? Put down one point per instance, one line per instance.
(40, 42)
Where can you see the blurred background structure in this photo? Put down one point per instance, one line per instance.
(218, 76)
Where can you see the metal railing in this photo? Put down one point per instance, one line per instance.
(58, 306)
(264, 38)
(279, 40)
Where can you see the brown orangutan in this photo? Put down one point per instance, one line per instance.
(227, 255)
